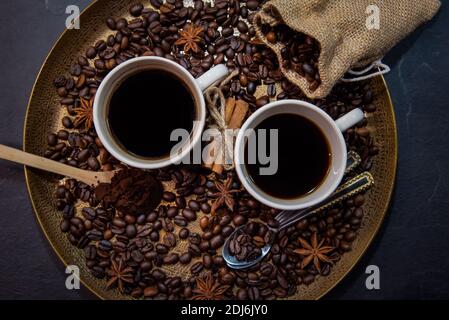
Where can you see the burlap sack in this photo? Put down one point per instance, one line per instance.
(340, 26)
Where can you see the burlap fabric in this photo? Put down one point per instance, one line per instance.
(340, 26)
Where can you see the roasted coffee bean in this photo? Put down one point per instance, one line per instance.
(90, 252)
(218, 261)
(194, 250)
(359, 200)
(226, 32)
(89, 213)
(345, 246)
(171, 258)
(252, 4)
(131, 231)
(151, 291)
(180, 202)
(207, 235)
(194, 205)
(61, 192)
(251, 88)
(154, 236)
(172, 212)
(136, 10)
(170, 240)
(227, 231)
(184, 233)
(262, 101)
(93, 163)
(216, 230)
(168, 196)
(65, 226)
(67, 122)
(63, 135)
(207, 261)
(118, 222)
(271, 90)
(156, 3)
(52, 139)
(105, 245)
(358, 213)
(197, 268)
(216, 242)
(204, 222)
(180, 221)
(253, 293)
(83, 155)
(269, 237)
(185, 258)
(239, 220)
(152, 217)
(225, 220)
(189, 214)
(271, 37)
(161, 248)
(111, 24)
(308, 279)
(242, 294)
(243, 80)
(259, 241)
(108, 235)
(199, 190)
(307, 68)
(157, 225)
(242, 27)
(194, 238)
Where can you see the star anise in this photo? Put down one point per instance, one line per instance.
(224, 195)
(208, 289)
(119, 275)
(190, 38)
(84, 114)
(313, 251)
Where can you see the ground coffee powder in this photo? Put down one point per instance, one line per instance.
(131, 191)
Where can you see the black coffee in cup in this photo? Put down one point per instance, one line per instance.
(145, 109)
(304, 157)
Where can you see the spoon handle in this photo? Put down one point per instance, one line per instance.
(28, 159)
(349, 189)
(353, 161)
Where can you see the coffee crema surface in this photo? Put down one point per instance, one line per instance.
(146, 108)
(303, 157)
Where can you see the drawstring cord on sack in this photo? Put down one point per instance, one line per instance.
(382, 69)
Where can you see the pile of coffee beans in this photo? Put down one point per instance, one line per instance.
(299, 52)
(182, 230)
(247, 244)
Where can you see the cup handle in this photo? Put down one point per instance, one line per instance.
(350, 119)
(213, 75)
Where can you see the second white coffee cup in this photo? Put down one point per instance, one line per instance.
(331, 129)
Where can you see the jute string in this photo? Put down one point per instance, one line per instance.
(216, 103)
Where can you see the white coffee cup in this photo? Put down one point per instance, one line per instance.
(333, 133)
(122, 72)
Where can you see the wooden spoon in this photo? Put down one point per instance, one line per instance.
(89, 177)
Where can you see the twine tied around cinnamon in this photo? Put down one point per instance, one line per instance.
(216, 104)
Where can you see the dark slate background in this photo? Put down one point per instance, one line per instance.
(412, 247)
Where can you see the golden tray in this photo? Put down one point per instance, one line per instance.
(44, 114)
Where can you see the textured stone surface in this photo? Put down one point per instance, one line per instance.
(410, 248)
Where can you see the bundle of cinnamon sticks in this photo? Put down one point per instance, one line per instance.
(235, 113)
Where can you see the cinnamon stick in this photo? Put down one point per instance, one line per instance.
(236, 121)
(229, 110)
